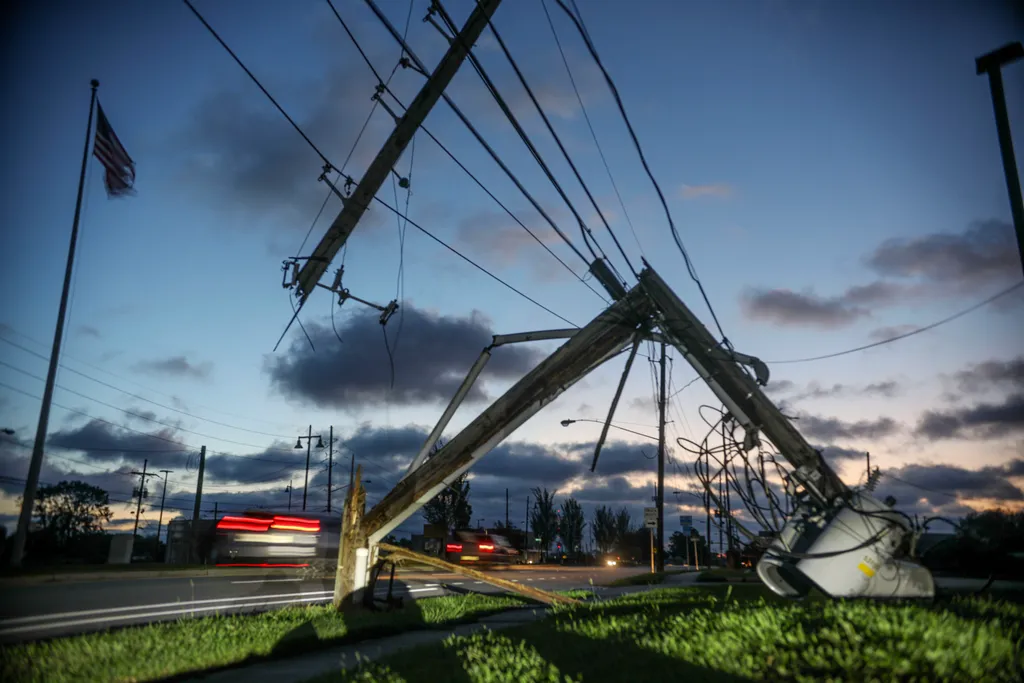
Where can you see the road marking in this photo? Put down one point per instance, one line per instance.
(458, 583)
(269, 581)
(420, 590)
(149, 615)
(478, 582)
(529, 579)
(182, 604)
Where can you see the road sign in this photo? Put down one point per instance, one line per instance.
(651, 517)
(686, 521)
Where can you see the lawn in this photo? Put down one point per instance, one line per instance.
(727, 633)
(165, 649)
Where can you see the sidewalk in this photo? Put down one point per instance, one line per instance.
(303, 667)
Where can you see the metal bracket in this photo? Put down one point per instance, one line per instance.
(343, 295)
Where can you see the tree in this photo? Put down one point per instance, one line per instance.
(623, 529)
(71, 509)
(571, 527)
(450, 508)
(543, 519)
(602, 528)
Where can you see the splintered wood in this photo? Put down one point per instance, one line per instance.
(352, 537)
(397, 553)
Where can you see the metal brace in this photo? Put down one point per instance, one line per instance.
(324, 179)
(343, 295)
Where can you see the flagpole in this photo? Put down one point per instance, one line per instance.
(36, 464)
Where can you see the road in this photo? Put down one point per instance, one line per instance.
(29, 612)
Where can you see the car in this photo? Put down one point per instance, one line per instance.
(473, 546)
(267, 539)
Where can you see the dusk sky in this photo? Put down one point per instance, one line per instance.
(832, 167)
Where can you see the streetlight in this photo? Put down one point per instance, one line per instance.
(309, 444)
(566, 423)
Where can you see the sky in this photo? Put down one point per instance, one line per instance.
(832, 169)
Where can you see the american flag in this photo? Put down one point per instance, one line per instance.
(120, 175)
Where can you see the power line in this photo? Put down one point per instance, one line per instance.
(643, 160)
(558, 141)
(147, 434)
(326, 161)
(136, 396)
(256, 81)
(472, 129)
(932, 326)
(590, 125)
(503, 105)
(112, 374)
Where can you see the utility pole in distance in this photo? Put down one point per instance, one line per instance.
(992, 64)
(309, 449)
(660, 557)
(142, 494)
(160, 522)
(194, 556)
(330, 464)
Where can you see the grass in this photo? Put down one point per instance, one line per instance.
(727, 633)
(161, 650)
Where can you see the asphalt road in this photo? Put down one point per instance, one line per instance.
(30, 612)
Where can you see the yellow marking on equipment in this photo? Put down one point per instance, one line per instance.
(866, 569)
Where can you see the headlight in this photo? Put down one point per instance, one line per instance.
(611, 563)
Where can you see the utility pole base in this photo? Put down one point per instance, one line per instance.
(352, 551)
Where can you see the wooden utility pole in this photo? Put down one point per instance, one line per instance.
(330, 464)
(142, 494)
(660, 553)
(380, 168)
(160, 521)
(992, 64)
(195, 509)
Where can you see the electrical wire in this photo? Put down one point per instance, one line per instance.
(643, 160)
(472, 129)
(590, 125)
(898, 337)
(503, 105)
(558, 141)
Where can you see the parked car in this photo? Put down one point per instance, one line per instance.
(472, 546)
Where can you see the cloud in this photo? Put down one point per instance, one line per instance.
(88, 331)
(712, 190)
(830, 428)
(500, 237)
(175, 366)
(991, 374)
(980, 421)
(431, 358)
(943, 484)
(984, 253)
(887, 389)
(786, 307)
(839, 454)
(886, 333)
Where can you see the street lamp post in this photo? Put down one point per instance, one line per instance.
(566, 423)
(309, 447)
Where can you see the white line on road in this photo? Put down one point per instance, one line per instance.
(130, 608)
(269, 581)
(458, 583)
(150, 615)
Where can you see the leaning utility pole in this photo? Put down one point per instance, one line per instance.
(992, 64)
(660, 556)
(406, 126)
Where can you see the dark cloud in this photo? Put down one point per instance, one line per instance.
(778, 386)
(887, 389)
(433, 356)
(943, 484)
(786, 307)
(836, 454)
(990, 375)
(830, 428)
(175, 366)
(88, 331)
(984, 253)
(980, 421)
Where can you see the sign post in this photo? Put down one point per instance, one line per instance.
(651, 522)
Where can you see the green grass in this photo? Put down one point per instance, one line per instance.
(727, 633)
(160, 650)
